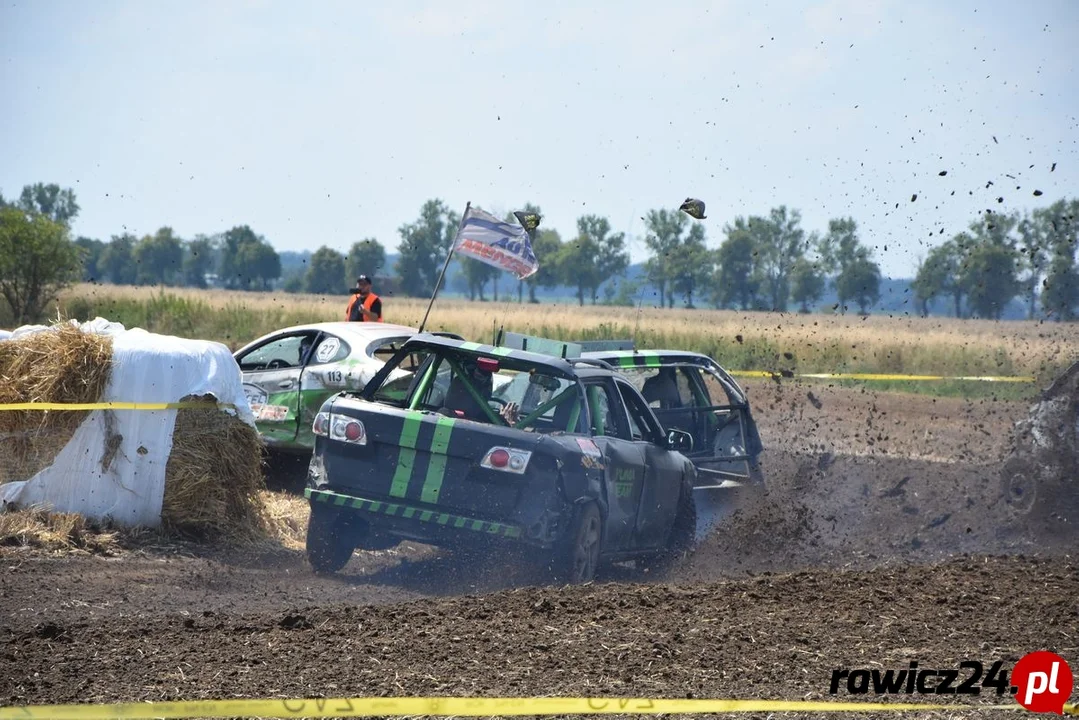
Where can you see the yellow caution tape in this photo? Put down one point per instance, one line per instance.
(884, 376)
(114, 406)
(458, 706)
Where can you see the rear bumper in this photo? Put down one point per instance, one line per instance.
(430, 525)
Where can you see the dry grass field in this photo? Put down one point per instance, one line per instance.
(739, 340)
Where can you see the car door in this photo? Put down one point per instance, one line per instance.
(623, 462)
(271, 377)
(324, 374)
(663, 470)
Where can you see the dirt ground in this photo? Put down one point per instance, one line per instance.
(859, 555)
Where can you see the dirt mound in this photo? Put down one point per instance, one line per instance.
(835, 511)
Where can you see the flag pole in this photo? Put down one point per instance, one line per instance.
(445, 265)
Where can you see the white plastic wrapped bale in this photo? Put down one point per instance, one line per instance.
(5, 334)
(114, 466)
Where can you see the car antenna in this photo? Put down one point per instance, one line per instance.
(498, 337)
(633, 338)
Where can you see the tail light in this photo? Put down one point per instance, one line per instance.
(506, 459)
(350, 430)
(341, 428)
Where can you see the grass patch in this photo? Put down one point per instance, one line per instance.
(738, 340)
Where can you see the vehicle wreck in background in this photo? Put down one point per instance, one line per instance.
(287, 374)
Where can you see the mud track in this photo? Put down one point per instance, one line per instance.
(858, 555)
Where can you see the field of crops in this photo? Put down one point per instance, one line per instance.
(738, 340)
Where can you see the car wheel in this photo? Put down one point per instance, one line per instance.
(579, 557)
(681, 537)
(330, 542)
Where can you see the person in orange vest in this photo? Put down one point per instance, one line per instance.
(365, 306)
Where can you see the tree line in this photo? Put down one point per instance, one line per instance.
(761, 262)
(1004, 256)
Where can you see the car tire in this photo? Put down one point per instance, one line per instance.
(681, 537)
(330, 543)
(577, 560)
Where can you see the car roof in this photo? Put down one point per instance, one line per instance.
(557, 364)
(642, 358)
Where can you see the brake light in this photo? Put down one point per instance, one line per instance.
(321, 426)
(506, 460)
(350, 430)
(353, 431)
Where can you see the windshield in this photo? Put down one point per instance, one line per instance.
(502, 391)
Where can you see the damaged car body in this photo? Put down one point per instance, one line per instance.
(690, 391)
(488, 444)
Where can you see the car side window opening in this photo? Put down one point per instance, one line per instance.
(385, 348)
(283, 352)
(642, 427)
(603, 409)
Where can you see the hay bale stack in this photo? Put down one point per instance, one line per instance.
(64, 365)
(213, 476)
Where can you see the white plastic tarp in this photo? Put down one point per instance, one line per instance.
(147, 368)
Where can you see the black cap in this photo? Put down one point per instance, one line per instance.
(363, 278)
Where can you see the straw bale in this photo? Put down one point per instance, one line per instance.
(63, 365)
(214, 476)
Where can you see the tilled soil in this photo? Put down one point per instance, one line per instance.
(869, 559)
(764, 637)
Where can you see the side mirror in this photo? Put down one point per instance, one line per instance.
(679, 440)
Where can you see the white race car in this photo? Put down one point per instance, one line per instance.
(288, 373)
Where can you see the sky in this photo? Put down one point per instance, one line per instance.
(325, 123)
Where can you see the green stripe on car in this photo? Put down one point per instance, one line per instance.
(436, 467)
(406, 458)
(470, 346)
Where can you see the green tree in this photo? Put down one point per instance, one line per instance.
(938, 275)
(366, 257)
(326, 273)
(198, 261)
(159, 258)
(547, 247)
(1033, 257)
(807, 283)
(49, 200)
(597, 255)
(247, 260)
(691, 267)
(860, 282)
(989, 272)
(1060, 295)
(423, 249)
(37, 260)
(118, 260)
(857, 276)
(780, 242)
(92, 250)
(738, 279)
(663, 240)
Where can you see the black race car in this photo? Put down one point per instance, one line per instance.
(486, 444)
